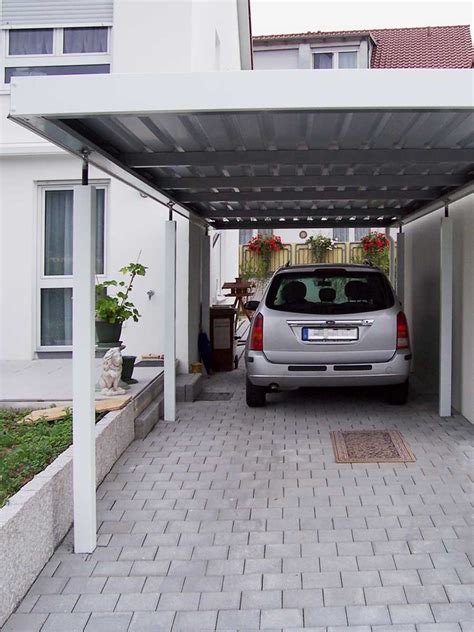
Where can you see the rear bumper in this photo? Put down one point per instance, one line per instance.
(286, 377)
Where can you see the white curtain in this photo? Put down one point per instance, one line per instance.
(85, 40)
(323, 61)
(31, 42)
(348, 60)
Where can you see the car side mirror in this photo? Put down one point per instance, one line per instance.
(252, 306)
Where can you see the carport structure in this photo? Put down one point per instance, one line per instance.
(250, 150)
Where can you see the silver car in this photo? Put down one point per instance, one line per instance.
(327, 325)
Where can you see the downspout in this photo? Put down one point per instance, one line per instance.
(244, 23)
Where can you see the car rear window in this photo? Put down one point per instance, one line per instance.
(330, 291)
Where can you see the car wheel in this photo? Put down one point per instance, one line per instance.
(254, 395)
(397, 394)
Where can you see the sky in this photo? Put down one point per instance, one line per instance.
(297, 16)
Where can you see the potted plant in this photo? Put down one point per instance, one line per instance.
(111, 311)
(319, 247)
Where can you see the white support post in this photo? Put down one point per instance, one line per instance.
(401, 267)
(84, 476)
(446, 317)
(391, 254)
(205, 281)
(170, 321)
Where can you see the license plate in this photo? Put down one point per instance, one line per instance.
(321, 334)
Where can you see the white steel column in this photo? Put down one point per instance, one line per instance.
(170, 321)
(84, 476)
(446, 317)
(401, 266)
(391, 254)
(205, 281)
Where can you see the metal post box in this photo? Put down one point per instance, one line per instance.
(223, 342)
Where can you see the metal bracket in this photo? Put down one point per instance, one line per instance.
(170, 206)
(85, 166)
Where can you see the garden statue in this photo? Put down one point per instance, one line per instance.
(111, 373)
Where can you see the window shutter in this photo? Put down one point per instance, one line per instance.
(55, 12)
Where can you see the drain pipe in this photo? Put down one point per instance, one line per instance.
(391, 273)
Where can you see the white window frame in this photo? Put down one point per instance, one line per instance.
(57, 57)
(44, 281)
(335, 50)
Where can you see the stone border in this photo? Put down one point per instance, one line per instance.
(39, 515)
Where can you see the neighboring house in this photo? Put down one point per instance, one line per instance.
(44, 37)
(426, 47)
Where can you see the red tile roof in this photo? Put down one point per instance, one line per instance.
(418, 47)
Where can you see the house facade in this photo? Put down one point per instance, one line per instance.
(39, 37)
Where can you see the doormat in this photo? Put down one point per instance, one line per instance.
(213, 396)
(371, 446)
(150, 363)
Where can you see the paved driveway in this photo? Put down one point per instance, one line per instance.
(239, 519)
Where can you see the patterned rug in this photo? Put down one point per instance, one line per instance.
(371, 446)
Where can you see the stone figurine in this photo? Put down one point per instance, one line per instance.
(111, 373)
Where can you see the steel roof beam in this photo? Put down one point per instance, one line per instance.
(242, 182)
(316, 214)
(301, 223)
(295, 157)
(268, 196)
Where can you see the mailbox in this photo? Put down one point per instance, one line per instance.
(224, 355)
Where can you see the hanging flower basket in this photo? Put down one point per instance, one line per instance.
(264, 247)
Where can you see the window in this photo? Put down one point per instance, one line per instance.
(55, 287)
(326, 60)
(323, 61)
(341, 234)
(360, 232)
(330, 291)
(85, 40)
(43, 71)
(57, 51)
(245, 235)
(30, 42)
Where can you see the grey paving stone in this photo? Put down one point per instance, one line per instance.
(439, 576)
(310, 598)
(22, 622)
(96, 603)
(179, 601)
(55, 603)
(202, 584)
(322, 580)
(343, 596)
(400, 578)
(360, 578)
(137, 602)
(163, 584)
(371, 615)
(426, 594)
(117, 622)
(463, 593)
(325, 617)
(152, 621)
(124, 584)
(384, 595)
(113, 569)
(238, 620)
(282, 617)
(412, 613)
(72, 622)
(258, 599)
(48, 586)
(452, 612)
(219, 601)
(439, 627)
(242, 582)
(82, 585)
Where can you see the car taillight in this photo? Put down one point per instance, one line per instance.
(403, 340)
(256, 341)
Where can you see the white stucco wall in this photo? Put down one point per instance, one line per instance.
(422, 301)
(147, 37)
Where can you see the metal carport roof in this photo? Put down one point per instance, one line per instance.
(272, 148)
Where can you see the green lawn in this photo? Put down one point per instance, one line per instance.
(25, 450)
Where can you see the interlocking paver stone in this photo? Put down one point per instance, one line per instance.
(240, 518)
